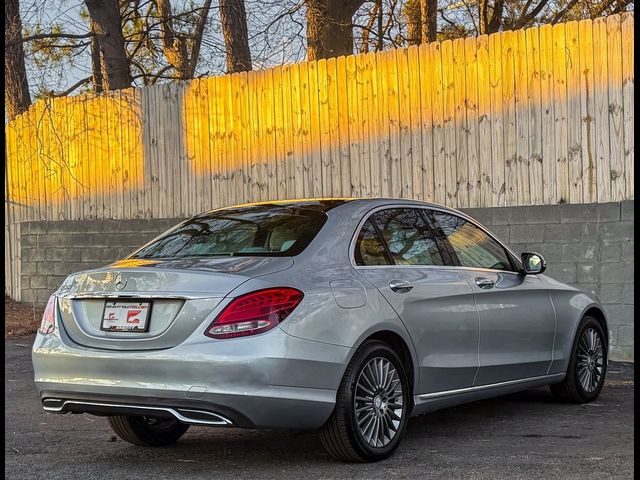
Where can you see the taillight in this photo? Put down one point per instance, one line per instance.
(48, 324)
(254, 312)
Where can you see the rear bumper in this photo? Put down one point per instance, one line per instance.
(272, 380)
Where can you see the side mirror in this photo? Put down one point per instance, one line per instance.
(533, 263)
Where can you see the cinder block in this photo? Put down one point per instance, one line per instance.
(611, 293)
(587, 272)
(617, 231)
(626, 212)
(627, 251)
(42, 295)
(616, 272)
(578, 213)
(563, 272)
(526, 233)
(542, 214)
(28, 268)
(54, 254)
(27, 295)
(501, 231)
(53, 283)
(39, 227)
(90, 254)
(610, 252)
(609, 212)
(590, 232)
(52, 240)
(619, 314)
(579, 252)
(507, 216)
(627, 293)
(563, 233)
(45, 268)
(32, 254)
(482, 215)
(28, 241)
(38, 281)
(625, 335)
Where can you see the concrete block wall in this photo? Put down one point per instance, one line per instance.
(589, 246)
(586, 245)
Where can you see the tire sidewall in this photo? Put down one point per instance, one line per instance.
(588, 322)
(368, 452)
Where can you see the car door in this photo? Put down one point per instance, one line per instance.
(517, 319)
(397, 251)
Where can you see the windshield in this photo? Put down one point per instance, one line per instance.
(260, 230)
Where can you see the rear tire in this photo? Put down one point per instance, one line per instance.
(587, 365)
(368, 427)
(147, 431)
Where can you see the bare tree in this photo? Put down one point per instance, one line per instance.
(413, 14)
(330, 27)
(236, 37)
(105, 15)
(429, 17)
(16, 87)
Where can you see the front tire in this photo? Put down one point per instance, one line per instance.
(587, 365)
(372, 406)
(147, 431)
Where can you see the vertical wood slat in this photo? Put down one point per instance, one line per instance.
(587, 112)
(449, 125)
(426, 121)
(404, 125)
(415, 107)
(509, 48)
(548, 129)
(471, 104)
(614, 83)
(461, 126)
(574, 151)
(497, 120)
(601, 108)
(439, 166)
(627, 55)
(485, 158)
(343, 120)
(521, 96)
(560, 111)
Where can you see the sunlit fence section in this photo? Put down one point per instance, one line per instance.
(536, 116)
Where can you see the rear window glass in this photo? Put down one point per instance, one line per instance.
(262, 230)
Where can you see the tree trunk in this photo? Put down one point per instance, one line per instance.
(105, 15)
(16, 86)
(429, 16)
(490, 22)
(329, 27)
(414, 21)
(96, 62)
(236, 37)
(173, 46)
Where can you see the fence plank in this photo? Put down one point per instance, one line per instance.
(601, 117)
(560, 112)
(496, 83)
(627, 54)
(587, 112)
(509, 47)
(485, 157)
(548, 127)
(461, 127)
(437, 101)
(404, 124)
(574, 146)
(521, 96)
(471, 106)
(426, 121)
(616, 134)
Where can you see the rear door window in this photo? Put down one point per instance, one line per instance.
(408, 238)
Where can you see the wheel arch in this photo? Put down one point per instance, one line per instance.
(597, 312)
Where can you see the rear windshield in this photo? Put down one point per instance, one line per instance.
(260, 230)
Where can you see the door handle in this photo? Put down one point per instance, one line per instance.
(484, 282)
(400, 286)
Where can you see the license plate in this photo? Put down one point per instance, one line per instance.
(125, 316)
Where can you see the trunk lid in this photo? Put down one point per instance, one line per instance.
(183, 293)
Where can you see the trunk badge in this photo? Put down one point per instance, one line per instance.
(120, 281)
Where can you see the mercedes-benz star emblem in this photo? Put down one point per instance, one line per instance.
(120, 281)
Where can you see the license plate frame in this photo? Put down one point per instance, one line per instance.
(121, 321)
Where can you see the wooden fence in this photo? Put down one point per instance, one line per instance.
(536, 116)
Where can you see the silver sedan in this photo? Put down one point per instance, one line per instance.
(343, 315)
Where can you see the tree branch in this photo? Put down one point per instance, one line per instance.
(45, 36)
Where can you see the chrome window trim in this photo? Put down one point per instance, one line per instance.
(438, 208)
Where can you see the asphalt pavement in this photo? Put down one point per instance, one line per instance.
(521, 436)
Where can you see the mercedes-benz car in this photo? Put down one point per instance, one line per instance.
(343, 316)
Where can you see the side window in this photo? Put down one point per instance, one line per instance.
(369, 247)
(408, 237)
(472, 245)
